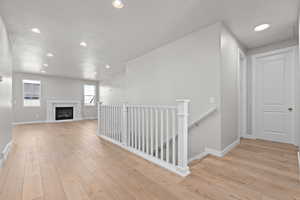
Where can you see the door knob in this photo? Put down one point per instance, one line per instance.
(290, 109)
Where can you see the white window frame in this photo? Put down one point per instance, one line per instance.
(40, 92)
(94, 102)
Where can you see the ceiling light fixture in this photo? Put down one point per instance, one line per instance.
(36, 30)
(43, 71)
(261, 27)
(50, 55)
(45, 65)
(83, 44)
(118, 3)
(107, 66)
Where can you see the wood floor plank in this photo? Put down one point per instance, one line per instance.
(67, 161)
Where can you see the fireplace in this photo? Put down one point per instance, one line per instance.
(64, 113)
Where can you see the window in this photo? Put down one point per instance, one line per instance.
(89, 95)
(31, 93)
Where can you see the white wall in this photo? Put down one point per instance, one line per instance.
(199, 66)
(5, 89)
(186, 68)
(229, 88)
(52, 88)
(298, 89)
(113, 91)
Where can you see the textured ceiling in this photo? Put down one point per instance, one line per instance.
(117, 35)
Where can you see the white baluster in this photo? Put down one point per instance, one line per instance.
(143, 129)
(174, 138)
(104, 119)
(183, 106)
(99, 114)
(147, 129)
(135, 128)
(131, 125)
(124, 120)
(151, 131)
(156, 133)
(139, 128)
(162, 134)
(167, 137)
(111, 121)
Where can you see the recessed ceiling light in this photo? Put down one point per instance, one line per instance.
(43, 71)
(83, 44)
(50, 55)
(36, 30)
(45, 65)
(107, 66)
(118, 3)
(261, 27)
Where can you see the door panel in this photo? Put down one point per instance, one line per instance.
(273, 91)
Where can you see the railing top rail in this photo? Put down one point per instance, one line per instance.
(151, 106)
(203, 116)
(142, 106)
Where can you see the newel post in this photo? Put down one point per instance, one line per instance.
(124, 124)
(182, 116)
(99, 118)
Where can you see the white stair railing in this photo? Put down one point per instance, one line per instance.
(144, 130)
(203, 116)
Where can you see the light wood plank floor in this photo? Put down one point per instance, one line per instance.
(66, 161)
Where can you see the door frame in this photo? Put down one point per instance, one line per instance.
(242, 93)
(292, 50)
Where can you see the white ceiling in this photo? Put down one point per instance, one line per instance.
(117, 35)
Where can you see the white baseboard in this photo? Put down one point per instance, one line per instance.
(248, 136)
(45, 121)
(199, 156)
(31, 122)
(214, 152)
(172, 168)
(4, 153)
(90, 118)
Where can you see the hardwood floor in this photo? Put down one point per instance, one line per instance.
(68, 161)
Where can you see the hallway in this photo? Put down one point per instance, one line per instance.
(68, 161)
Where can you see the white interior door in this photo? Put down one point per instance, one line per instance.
(274, 93)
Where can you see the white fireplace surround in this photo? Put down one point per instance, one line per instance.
(53, 104)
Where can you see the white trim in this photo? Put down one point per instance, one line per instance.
(248, 136)
(172, 168)
(90, 118)
(30, 122)
(4, 154)
(299, 160)
(203, 116)
(242, 93)
(222, 153)
(53, 104)
(214, 152)
(298, 165)
(50, 122)
(199, 156)
(293, 51)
